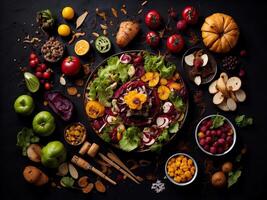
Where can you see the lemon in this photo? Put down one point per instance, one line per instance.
(63, 30)
(68, 13)
(81, 47)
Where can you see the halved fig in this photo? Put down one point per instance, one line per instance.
(240, 95)
(231, 104)
(224, 76)
(233, 83)
(197, 80)
(189, 59)
(212, 88)
(218, 98)
(205, 59)
(223, 106)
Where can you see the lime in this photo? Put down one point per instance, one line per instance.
(32, 82)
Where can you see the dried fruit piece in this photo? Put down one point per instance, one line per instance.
(34, 152)
(88, 188)
(83, 181)
(100, 187)
(81, 19)
(72, 91)
(63, 169)
(73, 171)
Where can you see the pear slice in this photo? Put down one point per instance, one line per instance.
(205, 59)
(233, 83)
(240, 95)
(224, 76)
(223, 106)
(189, 59)
(221, 86)
(218, 98)
(231, 104)
(212, 87)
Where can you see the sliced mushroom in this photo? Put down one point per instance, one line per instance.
(212, 87)
(233, 83)
(197, 80)
(223, 106)
(231, 104)
(218, 98)
(221, 86)
(189, 59)
(240, 95)
(224, 76)
(205, 59)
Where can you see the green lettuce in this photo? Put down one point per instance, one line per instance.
(177, 101)
(156, 63)
(174, 128)
(130, 139)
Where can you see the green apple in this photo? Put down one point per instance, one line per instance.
(43, 123)
(24, 105)
(53, 154)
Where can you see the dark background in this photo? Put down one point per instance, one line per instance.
(17, 19)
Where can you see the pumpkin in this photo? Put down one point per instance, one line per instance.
(220, 33)
(94, 109)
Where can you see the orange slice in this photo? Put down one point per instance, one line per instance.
(81, 47)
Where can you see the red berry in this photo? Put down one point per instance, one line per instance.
(47, 86)
(202, 142)
(208, 140)
(47, 75)
(36, 60)
(39, 74)
(38, 69)
(43, 67)
(181, 25)
(32, 63)
(198, 62)
(33, 56)
(243, 53)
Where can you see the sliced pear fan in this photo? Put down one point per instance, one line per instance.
(218, 98)
(212, 87)
(221, 86)
(224, 76)
(223, 106)
(240, 95)
(233, 83)
(231, 104)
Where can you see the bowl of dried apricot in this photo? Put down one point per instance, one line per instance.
(75, 134)
(181, 169)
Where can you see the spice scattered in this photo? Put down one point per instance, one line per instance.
(140, 11)
(76, 36)
(230, 63)
(72, 91)
(144, 3)
(81, 19)
(158, 186)
(114, 12)
(32, 40)
(101, 14)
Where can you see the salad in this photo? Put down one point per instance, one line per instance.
(136, 101)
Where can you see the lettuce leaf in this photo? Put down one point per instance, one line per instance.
(156, 147)
(130, 139)
(164, 136)
(177, 101)
(174, 128)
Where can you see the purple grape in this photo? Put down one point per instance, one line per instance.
(220, 150)
(208, 133)
(202, 142)
(223, 136)
(206, 147)
(229, 139)
(213, 133)
(216, 144)
(213, 150)
(218, 132)
(208, 139)
(221, 141)
(203, 129)
(209, 123)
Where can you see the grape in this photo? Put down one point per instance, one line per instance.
(208, 139)
(213, 150)
(202, 142)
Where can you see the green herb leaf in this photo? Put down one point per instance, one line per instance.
(177, 101)
(164, 136)
(243, 121)
(233, 177)
(24, 138)
(67, 182)
(130, 139)
(174, 127)
(105, 136)
(217, 121)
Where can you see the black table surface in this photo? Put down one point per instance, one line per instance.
(17, 19)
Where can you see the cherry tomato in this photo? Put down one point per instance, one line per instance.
(190, 14)
(152, 39)
(47, 86)
(47, 75)
(175, 43)
(33, 56)
(181, 25)
(43, 67)
(38, 69)
(36, 60)
(32, 63)
(71, 66)
(153, 19)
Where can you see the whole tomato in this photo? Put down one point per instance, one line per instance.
(71, 66)
(152, 39)
(190, 14)
(153, 19)
(175, 43)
